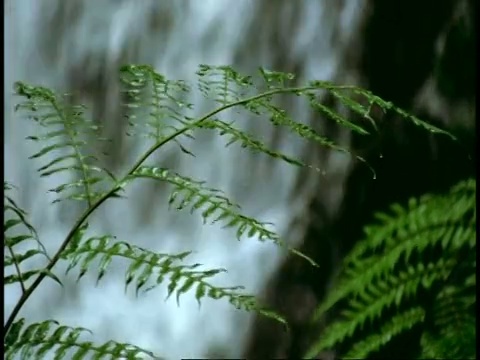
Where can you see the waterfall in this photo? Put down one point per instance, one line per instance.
(78, 46)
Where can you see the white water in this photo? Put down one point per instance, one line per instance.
(44, 48)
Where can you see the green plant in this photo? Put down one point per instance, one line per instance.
(158, 109)
(416, 268)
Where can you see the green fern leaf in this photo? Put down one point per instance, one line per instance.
(147, 266)
(362, 309)
(339, 119)
(381, 273)
(427, 214)
(37, 339)
(217, 206)
(67, 131)
(393, 327)
(451, 343)
(248, 141)
(19, 232)
(222, 84)
(154, 103)
(276, 82)
(454, 315)
(431, 221)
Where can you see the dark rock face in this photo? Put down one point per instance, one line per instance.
(421, 56)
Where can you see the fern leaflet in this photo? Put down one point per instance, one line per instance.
(40, 338)
(147, 266)
(15, 219)
(69, 132)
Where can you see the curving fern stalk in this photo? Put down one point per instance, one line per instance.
(415, 268)
(157, 109)
(19, 232)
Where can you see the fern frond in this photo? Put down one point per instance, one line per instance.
(18, 232)
(427, 213)
(352, 98)
(148, 269)
(378, 268)
(441, 220)
(228, 86)
(155, 102)
(382, 273)
(453, 334)
(396, 325)
(378, 297)
(280, 117)
(192, 193)
(231, 89)
(248, 141)
(36, 340)
(222, 84)
(67, 138)
(217, 207)
(451, 343)
(335, 116)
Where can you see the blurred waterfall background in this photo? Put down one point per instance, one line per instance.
(77, 46)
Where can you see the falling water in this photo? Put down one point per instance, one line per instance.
(78, 46)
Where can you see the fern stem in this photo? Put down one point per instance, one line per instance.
(17, 268)
(26, 295)
(23, 299)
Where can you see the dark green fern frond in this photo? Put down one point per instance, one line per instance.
(396, 325)
(155, 103)
(216, 207)
(377, 268)
(18, 232)
(451, 343)
(424, 247)
(149, 269)
(427, 213)
(455, 303)
(376, 298)
(67, 138)
(452, 333)
(36, 340)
